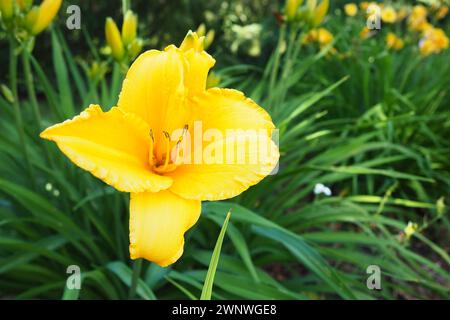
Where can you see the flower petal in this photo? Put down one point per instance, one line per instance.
(235, 163)
(158, 222)
(112, 145)
(234, 121)
(154, 90)
(226, 109)
(199, 62)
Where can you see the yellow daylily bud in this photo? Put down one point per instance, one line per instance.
(209, 38)
(7, 93)
(129, 28)
(321, 12)
(114, 39)
(47, 12)
(311, 4)
(192, 41)
(291, 9)
(394, 42)
(31, 18)
(7, 9)
(201, 30)
(308, 14)
(135, 48)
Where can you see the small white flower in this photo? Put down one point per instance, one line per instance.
(322, 189)
(48, 186)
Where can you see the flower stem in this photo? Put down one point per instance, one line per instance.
(30, 89)
(16, 108)
(125, 6)
(137, 266)
(276, 63)
(33, 99)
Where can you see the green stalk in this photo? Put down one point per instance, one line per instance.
(16, 108)
(294, 45)
(34, 103)
(30, 89)
(137, 266)
(125, 6)
(276, 64)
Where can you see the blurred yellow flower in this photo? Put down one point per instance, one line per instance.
(364, 5)
(388, 15)
(434, 41)
(365, 33)
(321, 36)
(394, 42)
(417, 21)
(441, 12)
(134, 146)
(351, 9)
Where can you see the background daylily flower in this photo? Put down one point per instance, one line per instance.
(129, 146)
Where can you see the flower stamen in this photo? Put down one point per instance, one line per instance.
(166, 159)
(150, 149)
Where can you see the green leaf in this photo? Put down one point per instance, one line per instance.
(62, 77)
(209, 280)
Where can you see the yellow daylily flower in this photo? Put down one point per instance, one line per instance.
(45, 15)
(441, 12)
(388, 15)
(364, 33)
(394, 42)
(134, 148)
(351, 9)
(364, 5)
(434, 41)
(417, 21)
